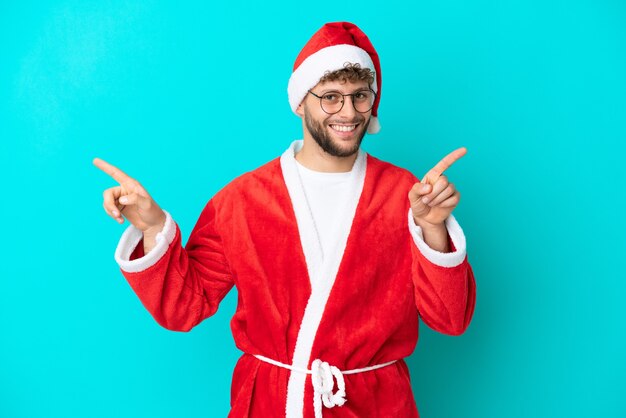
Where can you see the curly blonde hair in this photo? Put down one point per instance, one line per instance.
(349, 72)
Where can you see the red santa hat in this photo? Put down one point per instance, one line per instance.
(330, 48)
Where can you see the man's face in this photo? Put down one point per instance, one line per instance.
(339, 134)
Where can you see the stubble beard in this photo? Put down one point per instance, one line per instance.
(323, 139)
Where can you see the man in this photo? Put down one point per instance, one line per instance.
(333, 263)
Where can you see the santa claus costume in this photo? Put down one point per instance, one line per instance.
(324, 324)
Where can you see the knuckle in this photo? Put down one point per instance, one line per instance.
(109, 193)
(437, 200)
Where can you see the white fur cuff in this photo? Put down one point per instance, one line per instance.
(131, 237)
(441, 259)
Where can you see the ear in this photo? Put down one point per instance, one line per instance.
(300, 110)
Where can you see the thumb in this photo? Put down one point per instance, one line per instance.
(140, 191)
(417, 191)
(418, 207)
(133, 199)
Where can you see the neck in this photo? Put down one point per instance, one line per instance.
(313, 157)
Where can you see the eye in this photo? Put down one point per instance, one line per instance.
(331, 97)
(361, 95)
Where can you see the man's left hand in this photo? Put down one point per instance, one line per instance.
(434, 198)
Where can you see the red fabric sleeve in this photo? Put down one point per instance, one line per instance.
(445, 296)
(185, 285)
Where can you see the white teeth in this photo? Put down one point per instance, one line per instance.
(343, 128)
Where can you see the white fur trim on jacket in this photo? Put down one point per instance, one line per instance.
(131, 237)
(331, 58)
(324, 272)
(441, 259)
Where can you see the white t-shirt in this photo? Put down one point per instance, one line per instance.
(326, 194)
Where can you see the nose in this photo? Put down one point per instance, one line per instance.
(348, 110)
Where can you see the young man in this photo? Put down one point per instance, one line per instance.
(333, 262)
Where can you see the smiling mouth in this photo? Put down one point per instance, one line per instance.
(344, 128)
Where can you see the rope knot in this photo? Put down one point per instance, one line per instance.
(322, 376)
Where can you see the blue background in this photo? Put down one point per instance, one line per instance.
(185, 96)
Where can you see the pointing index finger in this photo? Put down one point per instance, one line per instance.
(111, 170)
(444, 164)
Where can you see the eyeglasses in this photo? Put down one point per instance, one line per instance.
(332, 101)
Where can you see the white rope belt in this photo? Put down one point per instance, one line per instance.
(322, 377)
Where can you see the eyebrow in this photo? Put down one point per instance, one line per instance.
(339, 91)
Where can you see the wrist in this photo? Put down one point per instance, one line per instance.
(427, 226)
(154, 230)
(436, 236)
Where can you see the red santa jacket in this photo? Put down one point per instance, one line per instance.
(356, 307)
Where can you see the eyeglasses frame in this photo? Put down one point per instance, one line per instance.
(343, 101)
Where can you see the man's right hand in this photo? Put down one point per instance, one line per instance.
(131, 200)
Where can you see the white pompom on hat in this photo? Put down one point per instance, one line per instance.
(330, 48)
